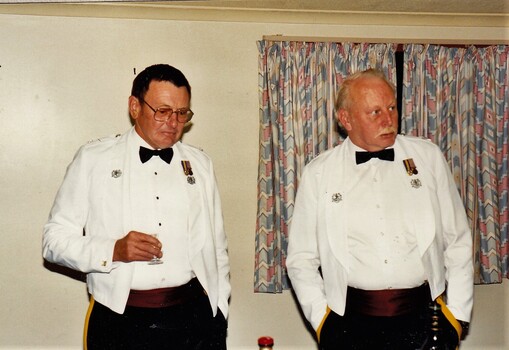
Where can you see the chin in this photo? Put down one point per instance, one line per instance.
(167, 143)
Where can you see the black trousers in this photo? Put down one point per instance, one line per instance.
(361, 332)
(189, 326)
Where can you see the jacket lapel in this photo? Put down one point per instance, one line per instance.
(416, 195)
(194, 199)
(337, 186)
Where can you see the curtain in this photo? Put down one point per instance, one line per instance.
(297, 83)
(458, 98)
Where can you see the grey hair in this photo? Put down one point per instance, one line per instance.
(343, 99)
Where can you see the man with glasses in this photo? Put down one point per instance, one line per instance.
(140, 213)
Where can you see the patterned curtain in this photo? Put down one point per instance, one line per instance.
(459, 98)
(297, 82)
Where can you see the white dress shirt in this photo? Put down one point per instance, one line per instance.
(383, 247)
(157, 201)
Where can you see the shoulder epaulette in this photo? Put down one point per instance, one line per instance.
(106, 138)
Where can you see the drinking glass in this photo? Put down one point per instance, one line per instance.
(155, 260)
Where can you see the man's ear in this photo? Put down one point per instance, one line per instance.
(344, 119)
(134, 107)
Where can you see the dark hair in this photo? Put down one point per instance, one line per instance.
(158, 72)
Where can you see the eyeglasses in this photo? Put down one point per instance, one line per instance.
(163, 114)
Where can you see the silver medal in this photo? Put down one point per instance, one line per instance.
(337, 197)
(416, 183)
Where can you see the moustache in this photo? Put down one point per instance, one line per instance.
(389, 130)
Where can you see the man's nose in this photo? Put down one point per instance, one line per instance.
(172, 120)
(387, 118)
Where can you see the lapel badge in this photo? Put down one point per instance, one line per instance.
(188, 171)
(116, 173)
(410, 167)
(416, 183)
(337, 197)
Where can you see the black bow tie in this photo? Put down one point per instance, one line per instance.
(165, 154)
(385, 154)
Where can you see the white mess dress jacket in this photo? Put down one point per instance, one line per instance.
(318, 231)
(92, 211)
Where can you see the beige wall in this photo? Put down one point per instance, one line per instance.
(64, 81)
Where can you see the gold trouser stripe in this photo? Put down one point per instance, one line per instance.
(450, 317)
(319, 329)
(87, 319)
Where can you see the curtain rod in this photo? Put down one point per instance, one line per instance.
(450, 42)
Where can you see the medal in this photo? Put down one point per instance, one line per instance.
(116, 173)
(188, 171)
(416, 183)
(337, 197)
(410, 167)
